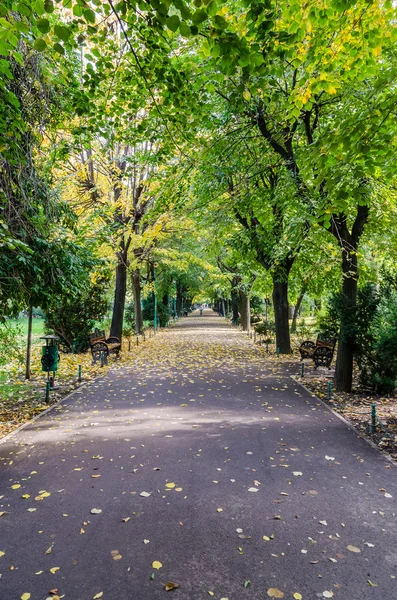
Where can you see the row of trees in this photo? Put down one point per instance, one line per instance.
(235, 148)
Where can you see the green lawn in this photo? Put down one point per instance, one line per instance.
(22, 325)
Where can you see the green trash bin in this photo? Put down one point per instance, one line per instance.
(50, 354)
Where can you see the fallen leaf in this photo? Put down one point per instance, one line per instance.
(170, 486)
(53, 570)
(328, 594)
(297, 474)
(97, 596)
(25, 596)
(275, 593)
(297, 596)
(353, 549)
(156, 564)
(126, 519)
(252, 489)
(171, 586)
(2, 553)
(16, 486)
(219, 510)
(329, 457)
(145, 494)
(95, 511)
(246, 583)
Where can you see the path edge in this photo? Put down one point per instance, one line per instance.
(44, 412)
(346, 422)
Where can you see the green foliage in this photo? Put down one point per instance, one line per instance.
(328, 322)
(163, 312)
(10, 347)
(73, 318)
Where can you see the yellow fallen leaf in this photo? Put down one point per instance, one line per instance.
(156, 564)
(2, 553)
(54, 570)
(97, 596)
(219, 510)
(170, 485)
(353, 549)
(211, 593)
(16, 486)
(25, 596)
(275, 593)
(25, 496)
(266, 538)
(171, 586)
(298, 596)
(2, 513)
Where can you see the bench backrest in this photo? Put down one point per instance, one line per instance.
(326, 343)
(97, 336)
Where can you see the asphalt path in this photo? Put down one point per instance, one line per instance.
(207, 467)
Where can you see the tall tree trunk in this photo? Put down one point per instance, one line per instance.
(29, 343)
(178, 302)
(235, 313)
(297, 307)
(280, 305)
(136, 286)
(348, 242)
(223, 308)
(116, 328)
(344, 361)
(248, 315)
(243, 310)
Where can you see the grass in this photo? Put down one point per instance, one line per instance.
(22, 325)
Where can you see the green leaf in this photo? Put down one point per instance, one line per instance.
(58, 48)
(77, 10)
(199, 16)
(38, 7)
(212, 8)
(23, 9)
(43, 25)
(185, 30)
(49, 6)
(172, 22)
(39, 45)
(89, 15)
(220, 22)
(62, 32)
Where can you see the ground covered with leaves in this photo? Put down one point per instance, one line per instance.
(200, 469)
(21, 399)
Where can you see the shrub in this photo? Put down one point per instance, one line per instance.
(73, 319)
(163, 312)
(10, 348)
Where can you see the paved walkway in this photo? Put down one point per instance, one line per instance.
(203, 458)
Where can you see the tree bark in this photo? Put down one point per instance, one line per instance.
(29, 343)
(235, 313)
(348, 242)
(116, 328)
(297, 307)
(280, 304)
(248, 315)
(344, 361)
(136, 287)
(243, 310)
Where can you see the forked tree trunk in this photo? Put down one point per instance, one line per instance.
(29, 343)
(348, 242)
(136, 287)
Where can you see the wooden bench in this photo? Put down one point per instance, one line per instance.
(320, 351)
(100, 344)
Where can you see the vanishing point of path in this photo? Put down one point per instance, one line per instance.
(207, 460)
